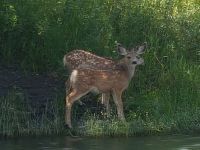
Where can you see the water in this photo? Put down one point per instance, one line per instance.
(136, 143)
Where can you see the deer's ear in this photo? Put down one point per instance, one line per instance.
(121, 50)
(141, 49)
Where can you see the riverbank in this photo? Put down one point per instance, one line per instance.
(34, 105)
(18, 119)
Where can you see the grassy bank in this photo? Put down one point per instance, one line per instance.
(17, 118)
(179, 123)
(164, 95)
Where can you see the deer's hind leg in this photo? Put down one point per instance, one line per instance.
(73, 95)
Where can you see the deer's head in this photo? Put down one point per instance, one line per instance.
(132, 57)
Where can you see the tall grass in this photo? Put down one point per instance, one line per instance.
(36, 34)
(17, 118)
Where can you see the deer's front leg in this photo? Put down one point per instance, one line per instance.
(119, 104)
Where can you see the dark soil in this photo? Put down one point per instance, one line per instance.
(37, 88)
(43, 88)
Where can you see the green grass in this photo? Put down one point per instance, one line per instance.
(181, 122)
(17, 118)
(37, 41)
(36, 34)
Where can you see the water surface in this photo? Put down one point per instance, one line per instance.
(136, 143)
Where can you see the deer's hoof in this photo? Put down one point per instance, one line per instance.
(67, 126)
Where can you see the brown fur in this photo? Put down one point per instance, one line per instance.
(81, 58)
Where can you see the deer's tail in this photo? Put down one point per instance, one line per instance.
(65, 61)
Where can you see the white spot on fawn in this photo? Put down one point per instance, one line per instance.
(73, 76)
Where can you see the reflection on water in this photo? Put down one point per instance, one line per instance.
(136, 143)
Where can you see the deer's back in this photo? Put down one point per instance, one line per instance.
(80, 58)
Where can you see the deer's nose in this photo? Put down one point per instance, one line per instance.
(134, 62)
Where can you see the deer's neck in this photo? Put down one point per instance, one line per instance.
(131, 71)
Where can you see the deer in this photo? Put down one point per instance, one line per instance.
(81, 58)
(113, 80)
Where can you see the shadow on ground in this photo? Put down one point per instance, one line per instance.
(37, 88)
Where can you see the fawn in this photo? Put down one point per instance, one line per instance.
(112, 80)
(80, 58)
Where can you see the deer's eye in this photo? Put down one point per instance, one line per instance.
(129, 57)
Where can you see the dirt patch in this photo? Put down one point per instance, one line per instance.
(42, 89)
(38, 88)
